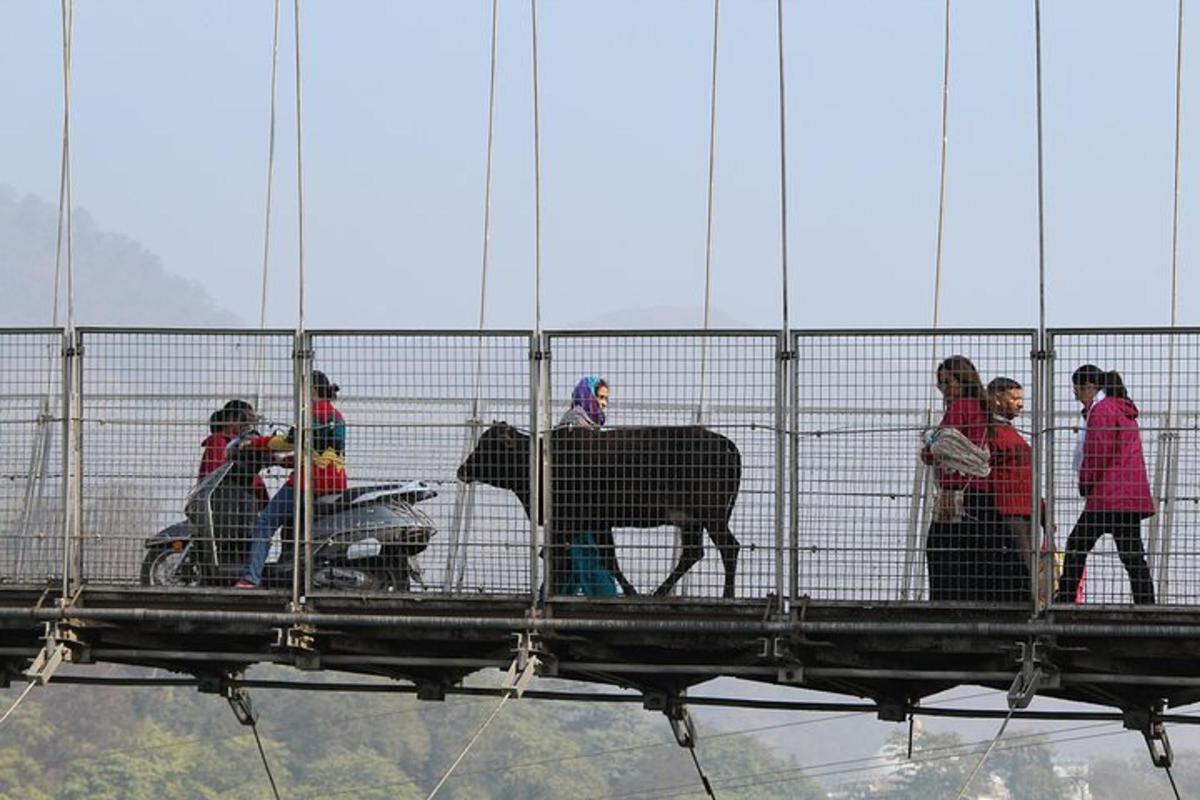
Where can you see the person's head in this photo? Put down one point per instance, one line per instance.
(322, 387)
(957, 377)
(1089, 379)
(591, 394)
(1007, 397)
(233, 418)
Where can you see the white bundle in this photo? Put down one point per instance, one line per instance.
(954, 452)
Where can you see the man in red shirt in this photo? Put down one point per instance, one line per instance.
(1011, 480)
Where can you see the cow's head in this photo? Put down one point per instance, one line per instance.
(500, 458)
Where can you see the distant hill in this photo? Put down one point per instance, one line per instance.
(117, 280)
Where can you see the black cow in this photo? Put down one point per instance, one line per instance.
(625, 477)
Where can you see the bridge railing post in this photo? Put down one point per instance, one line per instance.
(538, 356)
(785, 572)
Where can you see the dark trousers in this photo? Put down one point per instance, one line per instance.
(1126, 530)
(974, 560)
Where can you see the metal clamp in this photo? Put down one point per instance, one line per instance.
(527, 662)
(1036, 673)
(1153, 730)
(782, 653)
(673, 705)
(238, 697)
(63, 646)
(301, 642)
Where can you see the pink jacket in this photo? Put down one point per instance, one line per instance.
(1113, 474)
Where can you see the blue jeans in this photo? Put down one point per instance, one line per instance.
(278, 512)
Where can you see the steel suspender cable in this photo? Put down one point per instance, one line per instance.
(537, 180)
(266, 255)
(700, 771)
(68, 14)
(922, 475)
(783, 215)
(708, 228)
(299, 174)
(17, 702)
(1041, 194)
(478, 732)
(1178, 129)
(1171, 778)
(262, 310)
(487, 180)
(464, 501)
(302, 507)
(263, 755)
(979, 764)
(70, 432)
(1169, 438)
(941, 217)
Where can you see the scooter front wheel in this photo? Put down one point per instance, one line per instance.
(164, 566)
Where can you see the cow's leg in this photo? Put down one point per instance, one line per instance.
(692, 550)
(608, 559)
(728, 546)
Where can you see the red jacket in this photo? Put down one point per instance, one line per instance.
(1113, 474)
(214, 456)
(1012, 470)
(969, 418)
(329, 448)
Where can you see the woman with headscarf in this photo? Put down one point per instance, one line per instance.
(586, 574)
(1112, 480)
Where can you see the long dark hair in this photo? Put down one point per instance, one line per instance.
(964, 373)
(1108, 382)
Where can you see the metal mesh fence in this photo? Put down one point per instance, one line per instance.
(686, 464)
(31, 461)
(684, 469)
(149, 399)
(414, 406)
(864, 501)
(1126, 548)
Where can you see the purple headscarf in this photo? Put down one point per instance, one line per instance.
(584, 397)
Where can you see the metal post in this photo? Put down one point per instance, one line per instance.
(1036, 532)
(1166, 525)
(305, 456)
(783, 370)
(301, 469)
(68, 350)
(545, 458)
(794, 467)
(77, 458)
(1048, 462)
(536, 354)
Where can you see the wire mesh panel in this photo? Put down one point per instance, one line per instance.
(1126, 479)
(865, 501)
(157, 415)
(415, 405)
(31, 462)
(676, 491)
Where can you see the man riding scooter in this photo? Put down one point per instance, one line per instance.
(329, 472)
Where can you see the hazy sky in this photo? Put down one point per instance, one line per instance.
(170, 138)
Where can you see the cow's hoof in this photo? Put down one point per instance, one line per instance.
(662, 591)
(629, 591)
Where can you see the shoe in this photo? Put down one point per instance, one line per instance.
(245, 584)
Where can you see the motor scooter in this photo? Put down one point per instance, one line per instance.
(366, 538)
